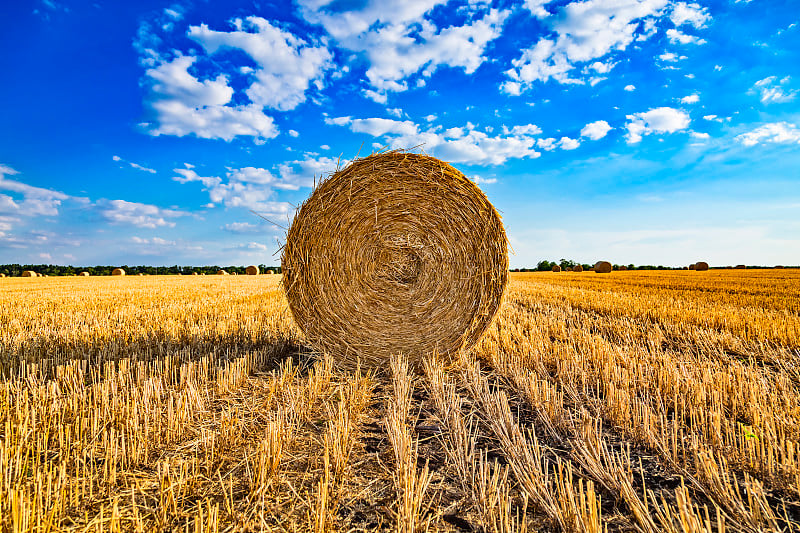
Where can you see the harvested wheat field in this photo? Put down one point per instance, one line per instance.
(645, 401)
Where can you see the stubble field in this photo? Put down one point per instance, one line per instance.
(634, 401)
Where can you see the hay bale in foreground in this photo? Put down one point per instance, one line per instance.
(556, 268)
(29, 274)
(83, 274)
(578, 268)
(602, 267)
(252, 270)
(396, 253)
(221, 273)
(117, 272)
(701, 266)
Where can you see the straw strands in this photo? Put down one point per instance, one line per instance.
(602, 267)
(252, 270)
(396, 253)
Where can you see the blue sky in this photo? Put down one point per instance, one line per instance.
(638, 131)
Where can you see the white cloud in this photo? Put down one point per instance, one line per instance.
(181, 105)
(669, 56)
(29, 200)
(565, 143)
(294, 133)
(548, 144)
(676, 36)
(691, 99)
(459, 145)
(303, 173)
(772, 90)
(157, 241)
(398, 40)
(537, 7)
(244, 227)
(658, 120)
(630, 88)
(187, 174)
(287, 65)
(134, 165)
(584, 31)
(252, 247)
(138, 214)
(774, 132)
(596, 130)
(700, 135)
(692, 14)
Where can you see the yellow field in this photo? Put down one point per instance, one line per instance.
(634, 401)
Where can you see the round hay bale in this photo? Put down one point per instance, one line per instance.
(195, 274)
(701, 266)
(2, 275)
(602, 267)
(143, 274)
(779, 266)
(83, 274)
(117, 272)
(29, 274)
(252, 270)
(396, 253)
(578, 268)
(269, 271)
(740, 267)
(568, 269)
(556, 268)
(693, 266)
(221, 273)
(623, 267)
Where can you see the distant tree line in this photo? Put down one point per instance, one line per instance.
(59, 270)
(546, 266)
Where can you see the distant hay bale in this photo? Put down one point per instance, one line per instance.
(701, 266)
(2, 275)
(269, 271)
(779, 266)
(693, 267)
(83, 274)
(117, 272)
(578, 268)
(194, 274)
(395, 253)
(29, 274)
(740, 267)
(252, 270)
(556, 268)
(623, 267)
(221, 273)
(141, 274)
(568, 269)
(602, 267)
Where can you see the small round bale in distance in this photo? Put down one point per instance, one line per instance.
(741, 267)
(779, 266)
(29, 274)
(556, 268)
(2, 275)
(395, 253)
(578, 268)
(623, 267)
(221, 273)
(269, 271)
(83, 274)
(568, 269)
(693, 266)
(252, 270)
(701, 266)
(602, 267)
(117, 272)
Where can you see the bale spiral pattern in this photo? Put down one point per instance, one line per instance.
(396, 253)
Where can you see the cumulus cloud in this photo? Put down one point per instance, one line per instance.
(772, 90)
(630, 88)
(596, 130)
(691, 99)
(678, 37)
(582, 32)
(303, 173)
(286, 64)
(400, 41)
(181, 104)
(138, 214)
(658, 120)
(565, 143)
(692, 14)
(244, 227)
(460, 145)
(774, 132)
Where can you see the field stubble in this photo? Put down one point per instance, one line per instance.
(635, 401)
